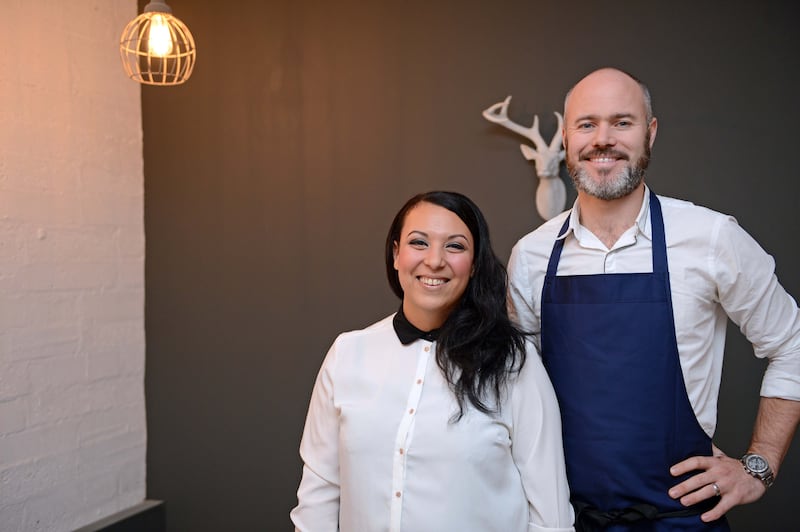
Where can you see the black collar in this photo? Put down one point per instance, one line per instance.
(407, 333)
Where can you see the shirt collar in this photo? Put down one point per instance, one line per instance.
(408, 333)
(642, 219)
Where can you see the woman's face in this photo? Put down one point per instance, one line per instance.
(433, 259)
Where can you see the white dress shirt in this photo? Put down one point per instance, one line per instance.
(716, 271)
(380, 451)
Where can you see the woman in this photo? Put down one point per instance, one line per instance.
(432, 419)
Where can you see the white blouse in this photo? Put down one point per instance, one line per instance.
(381, 454)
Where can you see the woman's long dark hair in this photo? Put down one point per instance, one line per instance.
(478, 347)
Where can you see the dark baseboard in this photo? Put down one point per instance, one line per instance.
(147, 516)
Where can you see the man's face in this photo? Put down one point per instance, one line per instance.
(606, 135)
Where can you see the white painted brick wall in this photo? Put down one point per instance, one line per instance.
(72, 415)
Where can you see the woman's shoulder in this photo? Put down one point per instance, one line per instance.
(351, 349)
(374, 331)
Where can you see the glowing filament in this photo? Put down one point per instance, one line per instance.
(160, 39)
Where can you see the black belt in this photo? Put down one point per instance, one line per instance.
(590, 519)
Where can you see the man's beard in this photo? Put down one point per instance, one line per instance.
(616, 187)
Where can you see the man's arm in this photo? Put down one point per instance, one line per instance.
(775, 426)
(752, 297)
(520, 305)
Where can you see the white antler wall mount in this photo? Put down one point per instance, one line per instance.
(551, 194)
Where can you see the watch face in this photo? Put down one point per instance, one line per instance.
(756, 463)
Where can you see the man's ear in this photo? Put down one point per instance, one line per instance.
(653, 127)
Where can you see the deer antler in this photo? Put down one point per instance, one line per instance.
(551, 194)
(498, 113)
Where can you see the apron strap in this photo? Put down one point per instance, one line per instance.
(590, 519)
(656, 228)
(558, 246)
(659, 239)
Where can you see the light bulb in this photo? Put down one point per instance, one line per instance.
(159, 41)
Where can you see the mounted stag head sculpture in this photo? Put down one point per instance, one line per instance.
(551, 194)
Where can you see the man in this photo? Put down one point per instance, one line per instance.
(630, 315)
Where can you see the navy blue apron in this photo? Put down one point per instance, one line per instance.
(608, 343)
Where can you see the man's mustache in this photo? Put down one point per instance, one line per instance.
(604, 153)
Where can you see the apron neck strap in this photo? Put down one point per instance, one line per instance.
(657, 233)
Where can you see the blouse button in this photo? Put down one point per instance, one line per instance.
(401, 451)
(410, 410)
(419, 381)
(397, 494)
(427, 348)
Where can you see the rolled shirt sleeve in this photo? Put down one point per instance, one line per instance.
(766, 314)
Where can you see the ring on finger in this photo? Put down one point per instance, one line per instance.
(716, 489)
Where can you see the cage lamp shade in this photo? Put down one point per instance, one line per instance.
(157, 48)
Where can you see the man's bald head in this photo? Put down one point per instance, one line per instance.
(610, 75)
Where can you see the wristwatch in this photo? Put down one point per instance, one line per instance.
(757, 465)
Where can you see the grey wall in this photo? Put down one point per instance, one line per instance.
(272, 176)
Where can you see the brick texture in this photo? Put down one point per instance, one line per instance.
(72, 416)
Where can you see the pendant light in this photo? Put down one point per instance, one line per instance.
(157, 48)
